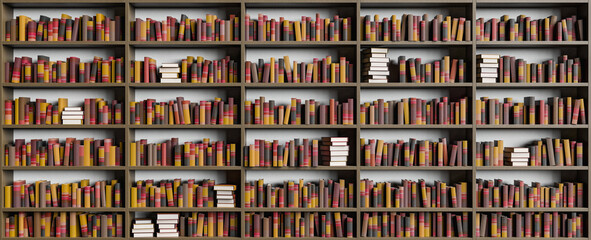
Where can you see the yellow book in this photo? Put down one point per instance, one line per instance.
(86, 161)
(132, 154)
(22, 27)
(343, 70)
(133, 197)
(272, 70)
(297, 31)
(7, 196)
(332, 72)
(108, 195)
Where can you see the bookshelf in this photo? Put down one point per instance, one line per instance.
(241, 133)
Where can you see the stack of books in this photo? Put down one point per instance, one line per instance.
(375, 65)
(224, 195)
(169, 73)
(488, 67)
(72, 115)
(334, 151)
(143, 228)
(167, 224)
(516, 156)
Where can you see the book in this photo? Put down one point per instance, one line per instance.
(332, 155)
(530, 224)
(511, 69)
(282, 70)
(324, 193)
(66, 28)
(192, 70)
(376, 152)
(225, 195)
(76, 152)
(372, 70)
(184, 112)
(45, 70)
(64, 225)
(43, 193)
(173, 153)
(307, 112)
(415, 28)
(173, 193)
(142, 227)
(210, 28)
(496, 194)
(415, 111)
(306, 28)
(488, 67)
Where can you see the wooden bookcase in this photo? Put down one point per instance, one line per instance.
(348, 8)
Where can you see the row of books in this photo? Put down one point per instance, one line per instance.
(82, 194)
(308, 29)
(284, 71)
(63, 225)
(529, 225)
(97, 111)
(193, 70)
(24, 70)
(544, 152)
(174, 153)
(415, 111)
(376, 152)
(71, 152)
(184, 112)
(66, 28)
(186, 29)
(554, 110)
(416, 28)
(176, 193)
(299, 194)
(447, 70)
(419, 224)
(297, 153)
(413, 194)
(524, 28)
(493, 68)
(495, 193)
(263, 112)
(298, 224)
(193, 224)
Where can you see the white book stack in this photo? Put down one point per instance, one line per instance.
(167, 224)
(143, 227)
(224, 195)
(334, 151)
(72, 116)
(488, 68)
(169, 73)
(375, 65)
(516, 156)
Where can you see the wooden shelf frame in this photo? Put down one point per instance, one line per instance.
(354, 6)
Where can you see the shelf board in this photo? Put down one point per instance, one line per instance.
(534, 168)
(299, 44)
(183, 209)
(417, 44)
(63, 44)
(531, 44)
(414, 85)
(63, 168)
(64, 209)
(330, 209)
(415, 168)
(536, 126)
(183, 44)
(416, 126)
(300, 85)
(64, 85)
(186, 168)
(319, 168)
(185, 85)
(479, 209)
(82, 126)
(185, 126)
(415, 209)
(531, 85)
(305, 126)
